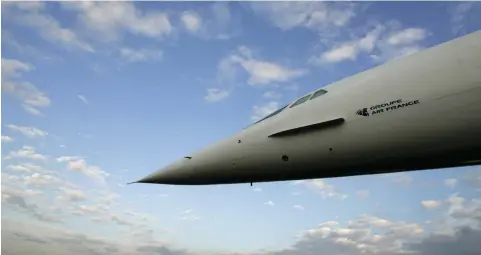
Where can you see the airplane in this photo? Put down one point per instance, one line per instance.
(418, 112)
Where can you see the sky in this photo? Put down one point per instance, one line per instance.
(98, 94)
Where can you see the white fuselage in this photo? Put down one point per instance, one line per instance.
(424, 113)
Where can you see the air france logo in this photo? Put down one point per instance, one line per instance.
(363, 112)
(385, 107)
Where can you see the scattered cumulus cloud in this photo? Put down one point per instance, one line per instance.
(7, 139)
(382, 43)
(27, 131)
(263, 72)
(50, 199)
(463, 15)
(77, 164)
(269, 203)
(318, 16)
(72, 195)
(83, 99)
(213, 21)
(324, 189)
(13, 83)
(260, 72)
(107, 21)
(407, 36)
(430, 204)
(26, 152)
(36, 18)
(299, 207)
(191, 21)
(25, 167)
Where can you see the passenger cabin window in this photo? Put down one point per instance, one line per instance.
(301, 100)
(318, 93)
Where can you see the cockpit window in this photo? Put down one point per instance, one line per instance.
(318, 93)
(301, 100)
(272, 114)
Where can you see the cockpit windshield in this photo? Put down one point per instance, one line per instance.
(297, 102)
(270, 115)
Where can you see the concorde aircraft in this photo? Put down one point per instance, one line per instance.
(418, 112)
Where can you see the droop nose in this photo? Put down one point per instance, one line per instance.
(176, 173)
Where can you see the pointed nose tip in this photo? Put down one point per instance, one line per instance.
(162, 177)
(176, 173)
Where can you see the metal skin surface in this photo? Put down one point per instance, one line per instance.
(431, 118)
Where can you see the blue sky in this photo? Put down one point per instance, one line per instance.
(98, 94)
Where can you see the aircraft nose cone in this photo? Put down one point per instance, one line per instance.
(160, 177)
(176, 173)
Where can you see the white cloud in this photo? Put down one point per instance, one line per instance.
(351, 49)
(96, 209)
(6, 139)
(191, 20)
(30, 132)
(261, 111)
(31, 97)
(24, 48)
(68, 158)
(407, 36)
(326, 190)
(260, 72)
(226, 76)
(211, 21)
(215, 94)
(47, 26)
(26, 152)
(451, 182)
(83, 99)
(18, 201)
(382, 43)
(269, 203)
(81, 166)
(455, 200)
(45, 181)
(25, 167)
(299, 207)
(319, 16)
(430, 204)
(141, 55)
(73, 195)
(31, 110)
(106, 21)
(365, 234)
(263, 72)
(464, 14)
(12, 68)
